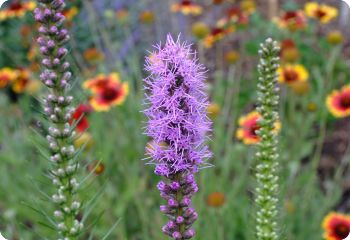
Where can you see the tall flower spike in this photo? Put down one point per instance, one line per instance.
(56, 77)
(178, 125)
(266, 169)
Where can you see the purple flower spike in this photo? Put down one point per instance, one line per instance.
(178, 124)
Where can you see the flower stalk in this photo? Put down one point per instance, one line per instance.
(267, 157)
(58, 110)
(177, 123)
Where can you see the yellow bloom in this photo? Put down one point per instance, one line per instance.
(311, 107)
(301, 87)
(324, 13)
(70, 13)
(84, 140)
(290, 55)
(248, 6)
(96, 167)
(33, 87)
(213, 110)
(200, 30)
(335, 37)
(147, 17)
(231, 57)
(7, 75)
(292, 73)
(93, 55)
(216, 199)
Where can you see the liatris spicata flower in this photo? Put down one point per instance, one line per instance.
(57, 108)
(266, 169)
(177, 124)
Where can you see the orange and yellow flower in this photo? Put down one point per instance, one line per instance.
(7, 75)
(248, 6)
(231, 57)
(289, 51)
(216, 199)
(200, 30)
(292, 20)
(93, 55)
(21, 81)
(300, 88)
(84, 140)
(215, 35)
(70, 13)
(33, 52)
(235, 16)
(335, 37)
(322, 12)
(338, 102)
(107, 91)
(187, 7)
(96, 167)
(292, 73)
(122, 15)
(16, 9)
(33, 87)
(248, 125)
(336, 226)
(213, 110)
(311, 107)
(147, 17)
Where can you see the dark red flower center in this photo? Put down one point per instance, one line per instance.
(186, 3)
(290, 15)
(288, 43)
(109, 94)
(253, 130)
(341, 230)
(345, 101)
(217, 31)
(290, 75)
(320, 13)
(234, 12)
(16, 6)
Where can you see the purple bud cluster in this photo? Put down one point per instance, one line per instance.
(178, 124)
(179, 209)
(57, 107)
(51, 43)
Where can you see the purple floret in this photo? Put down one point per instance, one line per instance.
(177, 109)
